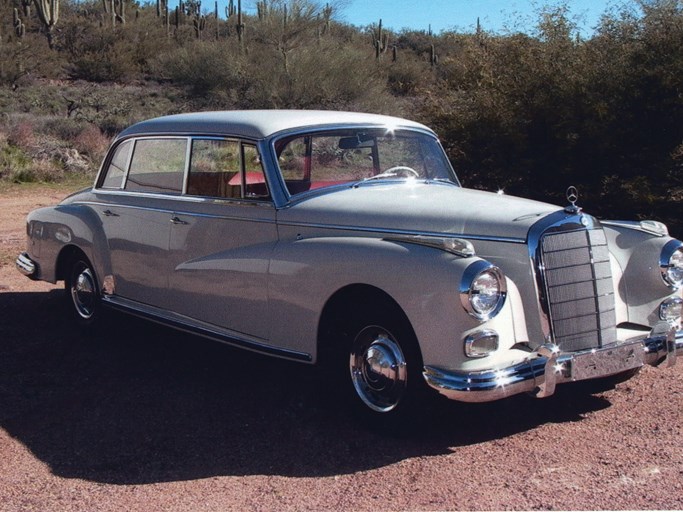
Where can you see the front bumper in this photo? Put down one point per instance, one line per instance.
(26, 265)
(547, 367)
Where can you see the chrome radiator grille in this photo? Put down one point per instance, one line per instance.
(579, 292)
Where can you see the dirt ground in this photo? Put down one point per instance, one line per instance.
(144, 418)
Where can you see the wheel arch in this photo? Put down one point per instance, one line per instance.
(65, 256)
(341, 304)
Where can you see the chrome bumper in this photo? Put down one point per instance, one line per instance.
(547, 367)
(26, 265)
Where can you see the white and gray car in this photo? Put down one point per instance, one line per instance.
(346, 240)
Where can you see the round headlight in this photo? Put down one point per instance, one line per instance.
(671, 263)
(483, 290)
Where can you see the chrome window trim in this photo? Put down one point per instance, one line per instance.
(189, 138)
(188, 160)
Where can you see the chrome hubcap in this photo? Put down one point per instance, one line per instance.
(83, 292)
(378, 369)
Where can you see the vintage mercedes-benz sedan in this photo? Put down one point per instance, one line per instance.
(346, 240)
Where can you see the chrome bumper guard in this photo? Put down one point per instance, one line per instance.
(547, 367)
(26, 265)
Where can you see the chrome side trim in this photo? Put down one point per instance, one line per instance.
(457, 246)
(186, 324)
(402, 232)
(542, 370)
(26, 265)
(170, 212)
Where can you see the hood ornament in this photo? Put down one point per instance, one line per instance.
(572, 197)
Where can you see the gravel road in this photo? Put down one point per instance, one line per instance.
(144, 418)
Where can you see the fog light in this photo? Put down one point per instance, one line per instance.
(481, 343)
(670, 310)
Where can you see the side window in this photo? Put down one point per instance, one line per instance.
(254, 178)
(226, 168)
(157, 166)
(116, 171)
(215, 169)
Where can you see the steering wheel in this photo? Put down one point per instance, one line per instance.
(403, 171)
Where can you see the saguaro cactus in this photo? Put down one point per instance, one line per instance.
(240, 24)
(118, 11)
(262, 9)
(19, 27)
(48, 12)
(380, 41)
(433, 57)
(27, 7)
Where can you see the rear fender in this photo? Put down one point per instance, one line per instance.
(62, 228)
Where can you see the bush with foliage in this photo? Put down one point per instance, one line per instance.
(527, 113)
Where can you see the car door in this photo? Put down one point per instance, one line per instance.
(222, 239)
(135, 202)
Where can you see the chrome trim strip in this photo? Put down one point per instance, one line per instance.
(182, 212)
(181, 197)
(205, 330)
(546, 367)
(404, 232)
(26, 265)
(453, 245)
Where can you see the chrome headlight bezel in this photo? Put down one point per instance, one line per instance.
(671, 264)
(476, 278)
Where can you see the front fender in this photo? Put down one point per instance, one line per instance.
(424, 282)
(640, 288)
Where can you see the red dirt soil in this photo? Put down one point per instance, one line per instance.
(139, 417)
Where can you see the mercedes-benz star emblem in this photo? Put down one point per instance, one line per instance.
(572, 195)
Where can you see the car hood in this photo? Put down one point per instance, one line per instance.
(419, 207)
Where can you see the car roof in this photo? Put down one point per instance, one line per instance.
(259, 124)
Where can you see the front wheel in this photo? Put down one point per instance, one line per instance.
(378, 369)
(378, 358)
(82, 292)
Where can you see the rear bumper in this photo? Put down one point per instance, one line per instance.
(547, 367)
(26, 265)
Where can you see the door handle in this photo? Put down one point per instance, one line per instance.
(109, 213)
(177, 221)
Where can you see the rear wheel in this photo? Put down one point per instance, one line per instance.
(82, 291)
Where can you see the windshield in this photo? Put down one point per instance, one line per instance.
(322, 159)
